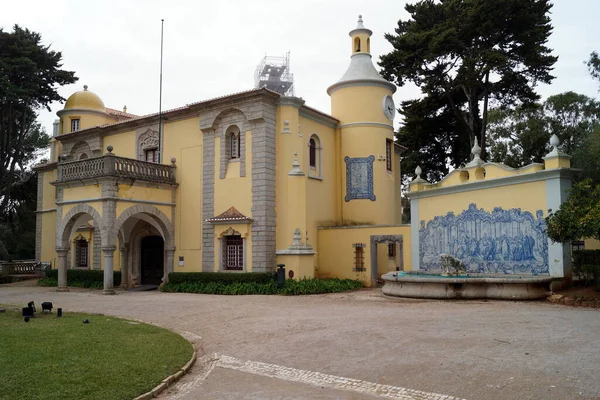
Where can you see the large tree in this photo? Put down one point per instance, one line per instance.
(520, 136)
(30, 74)
(464, 54)
(579, 216)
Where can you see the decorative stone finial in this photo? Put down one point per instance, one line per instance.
(63, 157)
(297, 242)
(286, 126)
(85, 87)
(173, 160)
(418, 172)
(476, 152)
(360, 22)
(296, 171)
(109, 148)
(554, 142)
(124, 109)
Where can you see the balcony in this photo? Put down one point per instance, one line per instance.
(110, 165)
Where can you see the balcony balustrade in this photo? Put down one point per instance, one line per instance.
(110, 165)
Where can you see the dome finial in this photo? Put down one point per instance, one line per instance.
(85, 88)
(360, 22)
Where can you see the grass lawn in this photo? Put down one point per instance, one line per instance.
(63, 358)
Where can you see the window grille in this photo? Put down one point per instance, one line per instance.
(391, 250)
(81, 248)
(359, 257)
(233, 253)
(235, 145)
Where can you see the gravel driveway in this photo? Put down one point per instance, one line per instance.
(361, 345)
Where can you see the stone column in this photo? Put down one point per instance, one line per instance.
(108, 270)
(170, 252)
(124, 267)
(62, 270)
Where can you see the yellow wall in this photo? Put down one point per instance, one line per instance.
(123, 144)
(48, 253)
(360, 104)
(506, 197)
(140, 192)
(91, 191)
(86, 120)
(234, 190)
(49, 191)
(336, 254)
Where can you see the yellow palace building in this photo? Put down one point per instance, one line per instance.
(237, 183)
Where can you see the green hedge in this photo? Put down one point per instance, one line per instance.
(85, 277)
(53, 282)
(226, 278)
(291, 287)
(586, 266)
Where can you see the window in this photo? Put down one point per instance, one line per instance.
(391, 250)
(314, 157)
(388, 154)
(75, 125)
(81, 253)
(233, 253)
(577, 245)
(151, 155)
(312, 151)
(235, 144)
(359, 257)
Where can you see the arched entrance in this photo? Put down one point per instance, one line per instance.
(152, 260)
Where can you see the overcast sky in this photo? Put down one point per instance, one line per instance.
(211, 48)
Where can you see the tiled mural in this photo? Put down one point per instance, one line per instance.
(500, 242)
(359, 178)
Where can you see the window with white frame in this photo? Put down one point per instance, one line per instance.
(233, 253)
(314, 157)
(74, 124)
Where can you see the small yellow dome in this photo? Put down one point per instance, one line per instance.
(85, 100)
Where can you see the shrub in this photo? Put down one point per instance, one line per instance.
(291, 287)
(85, 278)
(221, 277)
(586, 266)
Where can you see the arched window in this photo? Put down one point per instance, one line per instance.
(83, 156)
(233, 142)
(312, 151)
(314, 157)
(235, 145)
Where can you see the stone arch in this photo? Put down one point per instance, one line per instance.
(66, 225)
(222, 125)
(166, 226)
(223, 118)
(80, 149)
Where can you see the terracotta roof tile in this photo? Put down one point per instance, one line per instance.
(118, 113)
(232, 214)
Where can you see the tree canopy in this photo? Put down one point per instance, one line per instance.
(30, 74)
(579, 216)
(464, 54)
(520, 136)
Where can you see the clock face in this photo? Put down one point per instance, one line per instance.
(389, 109)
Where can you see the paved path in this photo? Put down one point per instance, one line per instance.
(363, 346)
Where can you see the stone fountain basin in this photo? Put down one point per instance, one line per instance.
(426, 285)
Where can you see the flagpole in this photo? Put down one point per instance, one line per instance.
(162, 23)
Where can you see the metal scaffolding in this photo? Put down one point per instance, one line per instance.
(274, 74)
